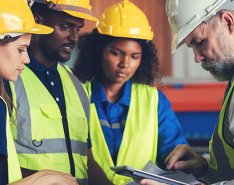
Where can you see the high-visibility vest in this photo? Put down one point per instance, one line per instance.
(140, 136)
(14, 172)
(221, 153)
(39, 135)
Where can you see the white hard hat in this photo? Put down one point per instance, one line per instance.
(185, 15)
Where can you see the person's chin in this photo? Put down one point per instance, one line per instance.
(12, 78)
(120, 80)
(64, 58)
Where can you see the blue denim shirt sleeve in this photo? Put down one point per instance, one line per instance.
(3, 144)
(3, 170)
(170, 132)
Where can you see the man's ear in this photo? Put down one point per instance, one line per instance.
(227, 18)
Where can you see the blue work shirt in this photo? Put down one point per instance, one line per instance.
(3, 140)
(169, 130)
(3, 144)
(51, 80)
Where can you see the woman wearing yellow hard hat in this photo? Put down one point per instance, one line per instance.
(16, 26)
(131, 122)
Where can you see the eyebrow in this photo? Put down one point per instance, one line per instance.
(70, 23)
(24, 45)
(113, 47)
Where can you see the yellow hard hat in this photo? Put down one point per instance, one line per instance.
(124, 19)
(16, 19)
(76, 8)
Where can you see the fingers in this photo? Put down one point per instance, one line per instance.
(180, 152)
(181, 165)
(64, 179)
(48, 177)
(184, 158)
(145, 182)
(150, 182)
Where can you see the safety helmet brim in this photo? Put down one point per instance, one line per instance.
(40, 29)
(178, 39)
(148, 36)
(16, 17)
(86, 16)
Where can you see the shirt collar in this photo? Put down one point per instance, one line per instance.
(99, 95)
(35, 65)
(98, 92)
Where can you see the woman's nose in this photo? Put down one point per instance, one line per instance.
(26, 59)
(124, 61)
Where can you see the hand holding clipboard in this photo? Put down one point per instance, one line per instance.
(139, 174)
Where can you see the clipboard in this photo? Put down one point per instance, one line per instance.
(139, 174)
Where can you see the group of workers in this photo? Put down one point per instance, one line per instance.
(68, 127)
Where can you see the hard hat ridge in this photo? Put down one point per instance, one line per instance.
(125, 19)
(77, 8)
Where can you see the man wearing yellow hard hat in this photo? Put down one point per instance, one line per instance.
(51, 131)
(131, 121)
(16, 26)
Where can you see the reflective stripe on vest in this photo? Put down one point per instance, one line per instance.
(142, 122)
(40, 140)
(14, 173)
(222, 160)
(81, 91)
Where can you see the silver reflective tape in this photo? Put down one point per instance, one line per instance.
(48, 146)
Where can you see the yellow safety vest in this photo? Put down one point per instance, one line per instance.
(140, 137)
(14, 173)
(39, 135)
(221, 153)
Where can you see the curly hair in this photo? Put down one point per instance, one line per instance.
(91, 46)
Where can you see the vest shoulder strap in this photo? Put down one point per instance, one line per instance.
(81, 91)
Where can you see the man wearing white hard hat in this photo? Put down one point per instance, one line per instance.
(208, 28)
